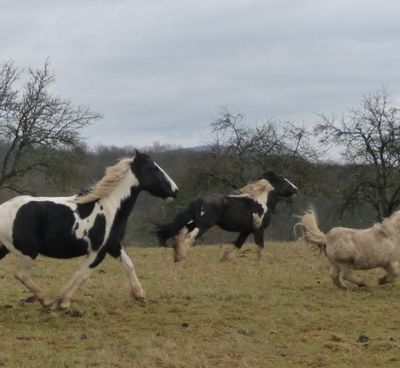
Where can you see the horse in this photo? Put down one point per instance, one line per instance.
(350, 249)
(248, 212)
(90, 223)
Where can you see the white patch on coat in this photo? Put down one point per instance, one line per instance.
(202, 212)
(262, 201)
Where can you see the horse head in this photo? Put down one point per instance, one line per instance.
(152, 178)
(282, 186)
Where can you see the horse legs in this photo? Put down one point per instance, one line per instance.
(182, 242)
(134, 283)
(392, 273)
(63, 301)
(228, 251)
(335, 275)
(22, 274)
(348, 274)
(259, 240)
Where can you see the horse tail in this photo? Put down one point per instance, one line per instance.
(308, 226)
(182, 219)
(3, 251)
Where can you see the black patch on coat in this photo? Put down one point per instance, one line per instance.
(76, 226)
(45, 227)
(97, 232)
(85, 209)
(115, 252)
(3, 251)
(99, 258)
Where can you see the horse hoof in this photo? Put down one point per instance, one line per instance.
(228, 253)
(382, 281)
(47, 302)
(59, 304)
(53, 306)
(64, 305)
(140, 299)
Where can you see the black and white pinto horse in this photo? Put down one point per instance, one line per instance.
(248, 213)
(91, 223)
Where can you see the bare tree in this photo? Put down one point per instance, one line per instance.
(36, 127)
(240, 151)
(370, 135)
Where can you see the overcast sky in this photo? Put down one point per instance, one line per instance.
(162, 70)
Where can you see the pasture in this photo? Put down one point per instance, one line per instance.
(282, 311)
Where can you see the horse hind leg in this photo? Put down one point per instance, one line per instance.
(63, 301)
(22, 274)
(348, 274)
(392, 270)
(335, 275)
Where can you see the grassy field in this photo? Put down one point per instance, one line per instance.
(280, 312)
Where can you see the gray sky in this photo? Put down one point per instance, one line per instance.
(162, 70)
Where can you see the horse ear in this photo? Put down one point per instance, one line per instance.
(268, 175)
(138, 155)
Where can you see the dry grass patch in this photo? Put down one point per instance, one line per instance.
(280, 312)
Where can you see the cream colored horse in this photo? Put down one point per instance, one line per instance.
(356, 249)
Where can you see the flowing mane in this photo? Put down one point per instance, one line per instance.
(390, 224)
(103, 188)
(257, 188)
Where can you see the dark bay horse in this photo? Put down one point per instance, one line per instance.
(248, 213)
(91, 223)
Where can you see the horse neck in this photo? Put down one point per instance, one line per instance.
(272, 200)
(123, 197)
(392, 223)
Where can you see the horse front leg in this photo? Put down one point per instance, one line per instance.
(229, 251)
(63, 301)
(129, 270)
(22, 274)
(134, 283)
(392, 272)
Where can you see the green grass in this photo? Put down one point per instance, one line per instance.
(280, 312)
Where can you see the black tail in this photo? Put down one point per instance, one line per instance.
(3, 251)
(184, 218)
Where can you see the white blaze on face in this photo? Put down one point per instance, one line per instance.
(174, 187)
(289, 182)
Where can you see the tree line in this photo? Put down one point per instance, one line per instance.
(42, 152)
